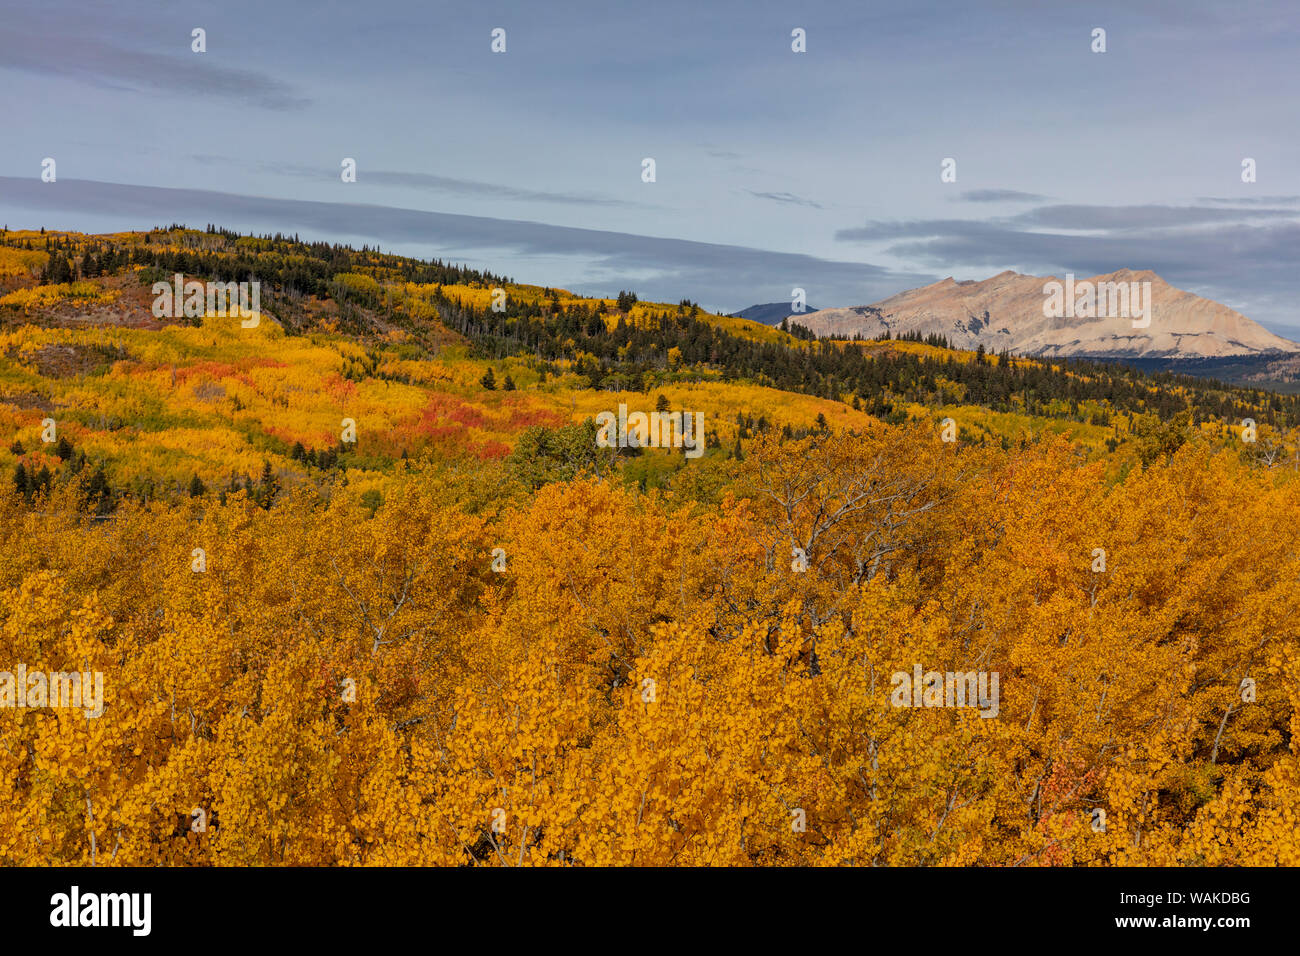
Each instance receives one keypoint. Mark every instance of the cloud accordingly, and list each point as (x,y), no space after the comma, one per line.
(722,277)
(1074,218)
(883,229)
(427,181)
(790,198)
(1252,200)
(1140,218)
(117,68)
(469,187)
(999,195)
(1255,250)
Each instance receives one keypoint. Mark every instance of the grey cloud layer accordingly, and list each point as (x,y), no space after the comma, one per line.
(724,277)
(109,65)
(469,187)
(1083,218)
(790,198)
(999,195)
(446,185)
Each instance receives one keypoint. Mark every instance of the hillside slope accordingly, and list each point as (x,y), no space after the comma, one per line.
(415,356)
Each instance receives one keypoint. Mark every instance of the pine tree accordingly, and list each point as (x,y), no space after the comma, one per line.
(197,489)
(267,487)
(488,381)
(99,493)
(58,270)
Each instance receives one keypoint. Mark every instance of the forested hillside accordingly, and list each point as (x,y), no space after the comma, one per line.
(364,588)
(407,350)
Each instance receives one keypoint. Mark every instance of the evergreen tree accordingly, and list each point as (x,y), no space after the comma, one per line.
(57,270)
(99,493)
(488,381)
(267,487)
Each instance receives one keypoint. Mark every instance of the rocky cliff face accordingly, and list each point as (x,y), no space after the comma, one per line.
(1080,317)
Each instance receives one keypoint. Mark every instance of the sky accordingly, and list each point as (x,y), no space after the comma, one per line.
(774,169)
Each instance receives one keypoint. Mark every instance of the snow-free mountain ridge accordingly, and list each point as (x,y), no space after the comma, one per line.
(1007,312)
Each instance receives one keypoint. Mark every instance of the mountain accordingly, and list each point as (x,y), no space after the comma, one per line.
(772,313)
(1007,311)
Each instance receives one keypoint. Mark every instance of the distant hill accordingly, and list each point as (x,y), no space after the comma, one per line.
(404,348)
(772,313)
(1278,371)
(1006,312)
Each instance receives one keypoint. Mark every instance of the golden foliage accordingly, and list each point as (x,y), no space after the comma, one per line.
(648,679)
